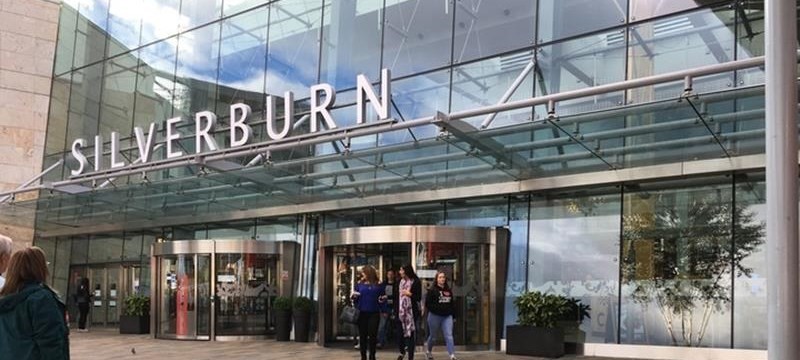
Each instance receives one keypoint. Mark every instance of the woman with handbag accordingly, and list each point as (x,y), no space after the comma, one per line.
(369,296)
(407,294)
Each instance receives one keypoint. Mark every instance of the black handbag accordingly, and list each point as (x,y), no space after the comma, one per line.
(350,314)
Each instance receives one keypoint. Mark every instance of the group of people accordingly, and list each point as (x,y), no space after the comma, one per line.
(380,304)
(33,321)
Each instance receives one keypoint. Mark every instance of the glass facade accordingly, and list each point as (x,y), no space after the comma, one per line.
(646,256)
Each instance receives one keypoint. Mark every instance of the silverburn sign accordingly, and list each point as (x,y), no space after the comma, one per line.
(322,97)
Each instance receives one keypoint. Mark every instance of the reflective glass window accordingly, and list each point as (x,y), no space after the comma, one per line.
(293,51)
(676,264)
(750,295)
(644,9)
(105,248)
(416,97)
(160,19)
(90,42)
(584,62)
(517,272)
(432,213)
(132,248)
(234,6)
(352,41)
(243,52)
(84,103)
(277,229)
(199,12)
(155,82)
(574,247)
(78,248)
(485,28)
(685,41)
(61,267)
(116,110)
(65,47)
(196,70)
(242,230)
(418,35)
(124,25)
(57,119)
(563,18)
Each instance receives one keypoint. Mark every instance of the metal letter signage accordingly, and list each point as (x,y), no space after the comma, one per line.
(322,98)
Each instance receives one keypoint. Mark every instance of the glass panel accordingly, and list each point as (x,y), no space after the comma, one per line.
(686,41)
(347,218)
(414,214)
(676,265)
(234,6)
(59,112)
(574,249)
(243,52)
(80,250)
(113,293)
(563,18)
(155,83)
(581,63)
(105,248)
(293,51)
(166,22)
(65,48)
(477,212)
(199,12)
(177,312)
(418,36)
(203,295)
(416,97)
(119,86)
(352,38)
(124,25)
(196,71)
(61,266)
(644,9)
(241,230)
(90,42)
(750,285)
(246,285)
(133,247)
(487,28)
(98,310)
(517,272)
(277,229)
(84,103)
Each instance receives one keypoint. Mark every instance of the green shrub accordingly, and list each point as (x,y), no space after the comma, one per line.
(137,305)
(544,310)
(303,304)
(282,303)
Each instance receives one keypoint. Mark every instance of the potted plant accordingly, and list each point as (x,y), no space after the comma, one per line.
(571,323)
(283,317)
(135,317)
(302,309)
(537,333)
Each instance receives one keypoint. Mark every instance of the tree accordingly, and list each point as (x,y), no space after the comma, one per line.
(682,258)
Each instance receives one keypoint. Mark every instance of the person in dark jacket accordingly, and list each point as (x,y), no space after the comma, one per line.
(32,318)
(83,297)
(369,297)
(441,309)
(407,295)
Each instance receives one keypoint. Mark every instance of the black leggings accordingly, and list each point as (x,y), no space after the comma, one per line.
(83,308)
(368,333)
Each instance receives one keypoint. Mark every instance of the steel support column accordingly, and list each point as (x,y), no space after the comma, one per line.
(781,165)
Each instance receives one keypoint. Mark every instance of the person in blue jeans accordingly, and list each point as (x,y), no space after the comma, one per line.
(440,305)
(369,297)
(387,316)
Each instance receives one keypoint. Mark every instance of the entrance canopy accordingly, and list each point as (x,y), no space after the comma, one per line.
(596,129)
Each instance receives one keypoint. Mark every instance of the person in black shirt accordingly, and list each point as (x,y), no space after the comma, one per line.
(440,305)
(83,297)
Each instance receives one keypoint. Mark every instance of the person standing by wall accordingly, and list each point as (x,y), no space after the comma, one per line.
(369,297)
(6,247)
(387,316)
(440,305)
(32,318)
(83,296)
(408,293)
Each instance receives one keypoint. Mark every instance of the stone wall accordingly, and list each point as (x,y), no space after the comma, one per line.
(28,31)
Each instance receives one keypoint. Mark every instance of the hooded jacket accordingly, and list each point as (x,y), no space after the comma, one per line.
(32,325)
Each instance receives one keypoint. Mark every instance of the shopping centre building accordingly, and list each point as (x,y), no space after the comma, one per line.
(225,152)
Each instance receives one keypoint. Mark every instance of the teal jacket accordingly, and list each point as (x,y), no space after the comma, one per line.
(32,325)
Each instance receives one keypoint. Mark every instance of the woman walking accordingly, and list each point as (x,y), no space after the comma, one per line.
(82,297)
(32,321)
(369,297)
(440,305)
(407,296)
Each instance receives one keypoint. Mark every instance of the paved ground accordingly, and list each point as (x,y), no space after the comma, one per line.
(108,344)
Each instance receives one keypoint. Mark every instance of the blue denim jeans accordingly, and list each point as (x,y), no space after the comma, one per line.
(436,322)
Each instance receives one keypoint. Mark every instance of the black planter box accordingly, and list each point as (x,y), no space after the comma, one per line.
(302,325)
(283,324)
(534,341)
(134,324)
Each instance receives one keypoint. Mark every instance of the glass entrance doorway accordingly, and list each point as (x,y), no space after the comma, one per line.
(473,258)
(109,284)
(219,289)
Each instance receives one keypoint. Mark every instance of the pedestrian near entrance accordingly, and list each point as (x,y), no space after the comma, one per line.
(440,305)
(387,316)
(82,297)
(6,247)
(369,297)
(407,296)
(32,318)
